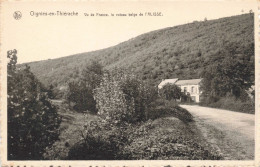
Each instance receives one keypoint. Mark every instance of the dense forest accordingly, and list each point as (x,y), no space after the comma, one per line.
(176,52)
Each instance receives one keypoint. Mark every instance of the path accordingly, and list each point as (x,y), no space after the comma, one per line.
(230,132)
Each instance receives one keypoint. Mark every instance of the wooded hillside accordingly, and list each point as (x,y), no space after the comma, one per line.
(176,52)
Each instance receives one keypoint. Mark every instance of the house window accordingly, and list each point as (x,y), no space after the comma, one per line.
(192,89)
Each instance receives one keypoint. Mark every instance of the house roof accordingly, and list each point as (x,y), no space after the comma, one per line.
(188,82)
(166,81)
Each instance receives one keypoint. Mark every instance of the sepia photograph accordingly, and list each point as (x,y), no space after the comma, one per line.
(128,80)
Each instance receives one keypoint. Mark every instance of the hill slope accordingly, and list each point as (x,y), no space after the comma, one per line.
(175,52)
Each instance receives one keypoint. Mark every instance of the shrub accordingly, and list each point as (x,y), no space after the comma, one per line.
(171,92)
(231,103)
(124,103)
(154,140)
(33,121)
(103,141)
(99,141)
(122,97)
(164,108)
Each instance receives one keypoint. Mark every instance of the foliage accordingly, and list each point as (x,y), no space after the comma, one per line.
(32,120)
(175,52)
(91,75)
(80,92)
(164,108)
(230,76)
(186,97)
(122,97)
(167,139)
(50,92)
(231,103)
(81,96)
(124,103)
(70,131)
(226,83)
(163,138)
(100,141)
(171,92)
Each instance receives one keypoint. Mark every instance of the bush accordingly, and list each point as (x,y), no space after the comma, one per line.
(163,108)
(99,141)
(33,121)
(171,92)
(167,139)
(231,103)
(124,104)
(122,97)
(143,140)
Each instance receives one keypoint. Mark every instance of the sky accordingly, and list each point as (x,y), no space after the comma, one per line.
(49,37)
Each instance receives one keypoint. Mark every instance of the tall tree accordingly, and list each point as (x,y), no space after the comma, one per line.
(33,121)
(230,76)
(81,92)
(91,75)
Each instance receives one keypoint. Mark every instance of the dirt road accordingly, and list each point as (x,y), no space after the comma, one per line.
(231,133)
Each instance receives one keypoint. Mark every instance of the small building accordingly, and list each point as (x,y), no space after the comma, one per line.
(191,86)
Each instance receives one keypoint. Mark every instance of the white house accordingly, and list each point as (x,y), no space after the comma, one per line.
(191,86)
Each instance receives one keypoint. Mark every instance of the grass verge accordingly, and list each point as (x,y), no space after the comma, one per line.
(168,139)
(170,134)
(230,103)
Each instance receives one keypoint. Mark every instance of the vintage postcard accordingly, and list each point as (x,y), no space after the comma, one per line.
(130,83)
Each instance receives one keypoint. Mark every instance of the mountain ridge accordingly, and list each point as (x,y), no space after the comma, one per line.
(182,51)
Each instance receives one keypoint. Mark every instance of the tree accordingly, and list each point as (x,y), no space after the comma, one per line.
(91,75)
(33,121)
(81,92)
(171,92)
(230,76)
(50,92)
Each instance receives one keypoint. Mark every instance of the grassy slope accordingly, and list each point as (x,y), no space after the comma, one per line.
(170,139)
(162,138)
(180,51)
(71,128)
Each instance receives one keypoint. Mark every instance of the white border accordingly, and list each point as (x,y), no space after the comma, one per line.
(150,163)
